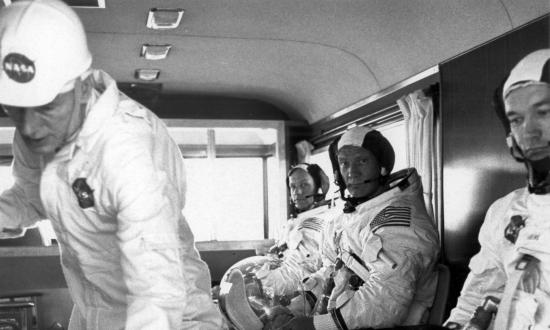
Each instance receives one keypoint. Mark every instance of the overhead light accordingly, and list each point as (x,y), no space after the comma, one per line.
(147,74)
(155,52)
(159,19)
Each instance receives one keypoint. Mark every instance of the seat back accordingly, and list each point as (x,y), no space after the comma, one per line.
(437,312)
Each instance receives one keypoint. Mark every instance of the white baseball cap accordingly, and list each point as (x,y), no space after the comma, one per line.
(43,49)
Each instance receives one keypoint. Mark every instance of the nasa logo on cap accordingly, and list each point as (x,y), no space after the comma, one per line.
(19,68)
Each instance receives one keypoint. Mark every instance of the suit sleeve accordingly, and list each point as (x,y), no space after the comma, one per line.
(487,276)
(20,205)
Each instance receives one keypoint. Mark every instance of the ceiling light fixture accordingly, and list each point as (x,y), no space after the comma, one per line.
(155,52)
(147,74)
(159,19)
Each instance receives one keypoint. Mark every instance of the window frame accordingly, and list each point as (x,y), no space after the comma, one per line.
(278,151)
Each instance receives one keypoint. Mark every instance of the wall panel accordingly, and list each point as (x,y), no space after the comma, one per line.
(477,167)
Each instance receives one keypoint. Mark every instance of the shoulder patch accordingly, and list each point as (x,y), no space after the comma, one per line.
(392,216)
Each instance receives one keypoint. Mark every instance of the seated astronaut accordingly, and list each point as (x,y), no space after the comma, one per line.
(299,245)
(512,268)
(379,254)
(266,291)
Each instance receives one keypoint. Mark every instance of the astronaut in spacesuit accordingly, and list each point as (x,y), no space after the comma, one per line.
(299,245)
(105,171)
(381,251)
(513,264)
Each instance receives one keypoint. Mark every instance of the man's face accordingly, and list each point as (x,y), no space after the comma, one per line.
(44,128)
(356,166)
(302,189)
(528,111)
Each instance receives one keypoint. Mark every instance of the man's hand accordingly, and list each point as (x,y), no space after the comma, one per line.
(299,323)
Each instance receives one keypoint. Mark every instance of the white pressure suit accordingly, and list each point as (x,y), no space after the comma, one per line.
(302,257)
(115,195)
(393,227)
(496,262)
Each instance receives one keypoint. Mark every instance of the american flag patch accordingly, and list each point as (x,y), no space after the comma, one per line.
(392,216)
(311,223)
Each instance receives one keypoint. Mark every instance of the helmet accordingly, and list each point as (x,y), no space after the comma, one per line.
(43,48)
(533,69)
(320,179)
(249,304)
(367,138)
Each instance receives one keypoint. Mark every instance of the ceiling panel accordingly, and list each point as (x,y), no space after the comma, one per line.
(310,58)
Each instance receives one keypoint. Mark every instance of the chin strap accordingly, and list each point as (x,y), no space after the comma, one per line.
(538,172)
(352,202)
(538,176)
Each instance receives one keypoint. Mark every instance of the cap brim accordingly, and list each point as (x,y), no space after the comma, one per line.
(26,94)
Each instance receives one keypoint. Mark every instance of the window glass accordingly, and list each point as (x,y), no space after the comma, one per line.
(235,174)
(225,198)
(235,180)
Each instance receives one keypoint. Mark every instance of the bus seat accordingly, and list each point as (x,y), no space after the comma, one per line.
(437,312)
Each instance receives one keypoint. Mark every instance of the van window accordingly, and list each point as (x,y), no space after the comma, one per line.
(235,176)
(235,184)
(225,198)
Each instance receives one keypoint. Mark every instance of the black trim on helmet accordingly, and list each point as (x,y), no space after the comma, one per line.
(381,148)
(333,155)
(498,106)
(545,76)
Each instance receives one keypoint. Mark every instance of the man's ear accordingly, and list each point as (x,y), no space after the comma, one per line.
(383,171)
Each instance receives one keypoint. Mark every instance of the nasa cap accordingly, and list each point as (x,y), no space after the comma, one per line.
(43,49)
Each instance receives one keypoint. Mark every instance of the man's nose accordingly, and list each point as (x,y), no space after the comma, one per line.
(353,170)
(532,128)
(28,122)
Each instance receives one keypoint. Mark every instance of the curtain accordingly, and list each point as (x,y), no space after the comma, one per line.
(303,151)
(417,111)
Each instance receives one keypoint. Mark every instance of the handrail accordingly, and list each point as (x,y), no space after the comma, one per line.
(259,246)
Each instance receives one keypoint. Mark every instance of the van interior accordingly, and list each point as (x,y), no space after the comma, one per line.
(242,83)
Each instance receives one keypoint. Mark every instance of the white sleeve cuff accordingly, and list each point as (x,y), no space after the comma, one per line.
(324,322)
